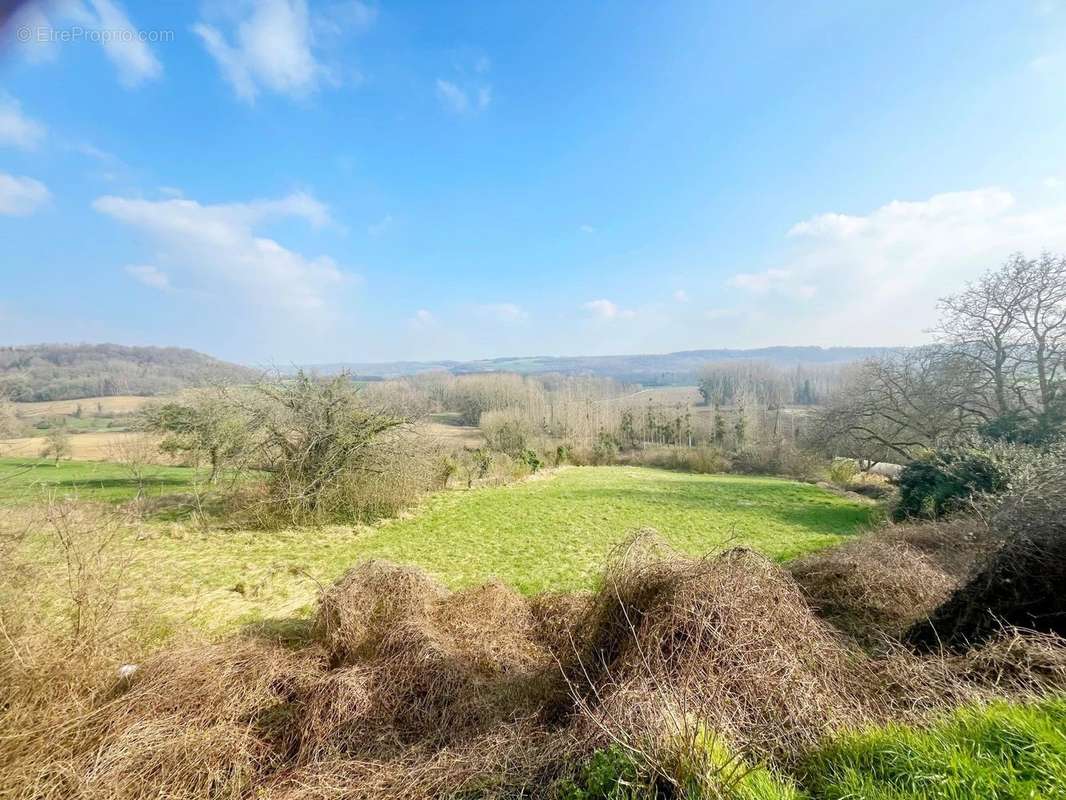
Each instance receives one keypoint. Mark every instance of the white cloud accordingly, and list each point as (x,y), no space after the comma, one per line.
(19,196)
(16,129)
(875,278)
(681,296)
(586,229)
(1052,182)
(772,280)
(102,21)
(461,100)
(504,312)
(452,96)
(422,319)
(605,309)
(276,45)
(123,44)
(219,242)
(149,276)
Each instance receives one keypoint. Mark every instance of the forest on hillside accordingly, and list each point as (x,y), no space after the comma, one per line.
(71,371)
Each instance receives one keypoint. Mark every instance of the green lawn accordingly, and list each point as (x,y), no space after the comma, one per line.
(545,534)
(555,533)
(27,480)
(1002,752)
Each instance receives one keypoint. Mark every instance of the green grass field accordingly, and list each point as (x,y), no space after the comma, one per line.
(551,533)
(1003,751)
(26,480)
(555,533)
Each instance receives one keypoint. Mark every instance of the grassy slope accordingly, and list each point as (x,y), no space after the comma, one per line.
(27,480)
(547,534)
(555,533)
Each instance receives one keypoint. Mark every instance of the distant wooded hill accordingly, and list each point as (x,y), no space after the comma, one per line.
(665,369)
(73,371)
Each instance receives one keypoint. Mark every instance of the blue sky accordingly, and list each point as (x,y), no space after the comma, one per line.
(281,181)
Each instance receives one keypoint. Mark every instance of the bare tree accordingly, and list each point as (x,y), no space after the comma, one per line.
(979,329)
(1007,333)
(1043,321)
(888,409)
(57,442)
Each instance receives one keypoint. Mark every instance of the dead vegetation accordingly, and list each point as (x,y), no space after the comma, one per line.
(882,583)
(403,688)
(1021,584)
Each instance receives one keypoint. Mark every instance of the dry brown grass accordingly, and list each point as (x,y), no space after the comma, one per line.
(880,584)
(114,404)
(405,689)
(95,446)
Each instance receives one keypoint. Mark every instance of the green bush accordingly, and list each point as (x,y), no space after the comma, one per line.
(701,768)
(1036,430)
(532,460)
(610,774)
(944,480)
(605,450)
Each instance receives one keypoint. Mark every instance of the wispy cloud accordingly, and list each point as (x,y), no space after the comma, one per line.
(276,45)
(464,94)
(504,312)
(772,280)
(125,45)
(1053,182)
(149,276)
(128,51)
(681,296)
(220,244)
(21,196)
(422,319)
(452,96)
(381,226)
(605,309)
(16,129)
(586,228)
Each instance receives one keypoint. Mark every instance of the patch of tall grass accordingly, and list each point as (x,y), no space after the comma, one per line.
(999,751)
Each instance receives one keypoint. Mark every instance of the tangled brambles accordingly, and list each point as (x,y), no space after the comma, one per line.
(880,584)
(1020,585)
(407,689)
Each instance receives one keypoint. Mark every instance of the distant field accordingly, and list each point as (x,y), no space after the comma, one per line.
(550,533)
(446,428)
(94,446)
(118,404)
